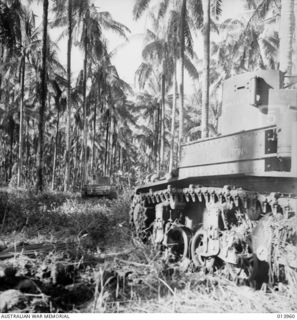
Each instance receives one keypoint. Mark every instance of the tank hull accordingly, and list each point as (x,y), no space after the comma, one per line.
(234,190)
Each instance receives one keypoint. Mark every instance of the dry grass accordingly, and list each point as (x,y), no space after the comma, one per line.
(218,295)
(109,271)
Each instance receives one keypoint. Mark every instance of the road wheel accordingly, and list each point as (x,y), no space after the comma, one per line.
(196,245)
(178,239)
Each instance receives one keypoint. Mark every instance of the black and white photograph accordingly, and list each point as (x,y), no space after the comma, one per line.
(148,159)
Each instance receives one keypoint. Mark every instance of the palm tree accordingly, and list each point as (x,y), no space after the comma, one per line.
(91,23)
(20,40)
(176,18)
(205,81)
(40,163)
(198,10)
(59,106)
(173,119)
(65,13)
(171,40)
(29,43)
(69,47)
(286,36)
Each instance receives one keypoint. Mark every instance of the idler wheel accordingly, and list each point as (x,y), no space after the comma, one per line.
(178,239)
(197,245)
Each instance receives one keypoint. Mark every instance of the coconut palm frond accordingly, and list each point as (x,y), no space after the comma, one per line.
(216,8)
(195,7)
(105,19)
(188,38)
(190,67)
(163,8)
(139,7)
(153,49)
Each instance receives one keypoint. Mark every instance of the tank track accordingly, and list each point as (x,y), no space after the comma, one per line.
(233,215)
(260,203)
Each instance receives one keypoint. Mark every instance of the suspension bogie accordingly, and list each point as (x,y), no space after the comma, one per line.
(208,225)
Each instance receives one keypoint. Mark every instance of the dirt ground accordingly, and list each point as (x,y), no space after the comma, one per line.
(61,253)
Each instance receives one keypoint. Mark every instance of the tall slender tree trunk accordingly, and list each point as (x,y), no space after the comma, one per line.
(295,42)
(11,133)
(286,36)
(162,118)
(20,158)
(114,146)
(106,145)
(173,118)
(55,149)
(110,145)
(94,139)
(154,143)
(40,159)
(85,132)
(181,84)
(75,160)
(205,78)
(68,123)
(28,148)
(158,131)
(121,158)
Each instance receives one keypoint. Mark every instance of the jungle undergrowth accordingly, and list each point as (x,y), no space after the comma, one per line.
(85,260)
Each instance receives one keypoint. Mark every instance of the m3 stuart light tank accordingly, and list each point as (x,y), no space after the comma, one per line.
(230,189)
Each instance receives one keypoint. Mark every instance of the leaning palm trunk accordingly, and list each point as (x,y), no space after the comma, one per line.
(286,36)
(181,85)
(205,79)
(173,119)
(67,151)
(20,162)
(40,160)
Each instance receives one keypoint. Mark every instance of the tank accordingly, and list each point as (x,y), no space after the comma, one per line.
(221,205)
(100,187)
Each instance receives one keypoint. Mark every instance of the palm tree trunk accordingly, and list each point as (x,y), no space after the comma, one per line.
(75,161)
(121,159)
(28,148)
(205,78)
(40,161)
(55,149)
(94,138)
(162,118)
(106,146)
(110,145)
(67,151)
(11,133)
(181,85)
(85,132)
(158,131)
(286,36)
(173,119)
(155,138)
(20,162)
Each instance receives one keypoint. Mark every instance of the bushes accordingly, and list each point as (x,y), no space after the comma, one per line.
(58,216)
